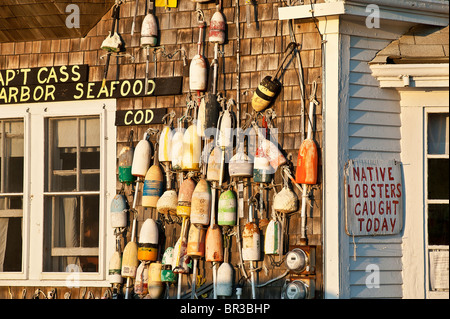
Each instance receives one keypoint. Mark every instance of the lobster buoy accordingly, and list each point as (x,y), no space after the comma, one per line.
(125,163)
(227,209)
(307,163)
(165,145)
(141,282)
(214,172)
(251,239)
(262,171)
(192,149)
(217,28)
(214,244)
(167,274)
(130,260)
(148,241)
(208,115)
(167,203)
(265,93)
(285,201)
(149,31)
(196,241)
(155,285)
(201,203)
(177,149)
(198,74)
(185,198)
(225,130)
(240,165)
(180,249)
(272,238)
(153,186)
(225,279)
(119,208)
(115,265)
(273,154)
(141,158)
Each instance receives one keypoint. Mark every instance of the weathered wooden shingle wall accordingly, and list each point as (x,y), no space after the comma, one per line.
(261,52)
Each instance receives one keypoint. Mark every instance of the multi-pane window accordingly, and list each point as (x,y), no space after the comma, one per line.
(11,194)
(437,196)
(72,194)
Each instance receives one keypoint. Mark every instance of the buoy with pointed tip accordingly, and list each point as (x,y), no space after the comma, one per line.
(177,149)
(272,238)
(115,265)
(227,209)
(167,203)
(201,204)
(217,28)
(192,149)
(207,115)
(119,208)
(214,172)
(148,241)
(141,158)
(149,31)
(165,145)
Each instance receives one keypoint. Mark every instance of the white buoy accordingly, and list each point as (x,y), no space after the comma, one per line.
(225,279)
(119,208)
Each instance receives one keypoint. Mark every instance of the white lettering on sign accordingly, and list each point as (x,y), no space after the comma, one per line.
(373,198)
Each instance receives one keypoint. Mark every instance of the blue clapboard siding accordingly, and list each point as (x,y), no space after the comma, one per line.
(373,132)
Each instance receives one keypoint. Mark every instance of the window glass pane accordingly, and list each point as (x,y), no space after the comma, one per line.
(72,227)
(438,179)
(438,133)
(438,215)
(11,181)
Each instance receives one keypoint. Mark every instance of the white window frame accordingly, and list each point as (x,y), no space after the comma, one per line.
(430,293)
(34,116)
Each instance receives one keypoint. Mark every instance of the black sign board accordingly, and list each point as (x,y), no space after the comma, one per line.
(140,117)
(70,83)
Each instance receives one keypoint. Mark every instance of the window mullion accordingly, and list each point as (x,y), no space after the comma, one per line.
(3,156)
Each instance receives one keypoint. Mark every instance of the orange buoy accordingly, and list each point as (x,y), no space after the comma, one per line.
(196,241)
(214,244)
(148,241)
(185,197)
(307,163)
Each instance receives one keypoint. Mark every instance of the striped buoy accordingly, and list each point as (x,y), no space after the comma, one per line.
(227,209)
(192,149)
(265,93)
(148,241)
(185,198)
(272,238)
(149,31)
(125,162)
(153,186)
(115,265)
(119,208)
(165,145)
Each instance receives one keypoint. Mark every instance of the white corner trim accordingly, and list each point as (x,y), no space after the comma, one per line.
(413,11)
(411,75)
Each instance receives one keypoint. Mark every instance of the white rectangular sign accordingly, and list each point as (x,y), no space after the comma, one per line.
(373,197)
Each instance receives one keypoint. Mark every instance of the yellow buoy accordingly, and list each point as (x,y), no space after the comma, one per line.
(153,186)
(192,149)
(130,260)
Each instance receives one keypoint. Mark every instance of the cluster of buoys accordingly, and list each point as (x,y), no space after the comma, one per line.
(197,156)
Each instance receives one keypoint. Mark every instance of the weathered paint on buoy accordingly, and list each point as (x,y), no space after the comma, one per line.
(285,201)
(165,145)
(272,238)
(198,74)
(213,171)
(185,198)
(180,248)
(148,241)
(201,203)
(227,209)
(214,244)
(240,165)
(307,163)
(141,282)
(192,149)
(225,279)
(273,154)
(208,115)
(217,28)
(149,31)
(196,241)
(125,162)
(251,242)
(119,208)
(130,260)
(167,203)
(153,186)
(115,265)
(262,171)
(167,274)
(265,93)
(155,285)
